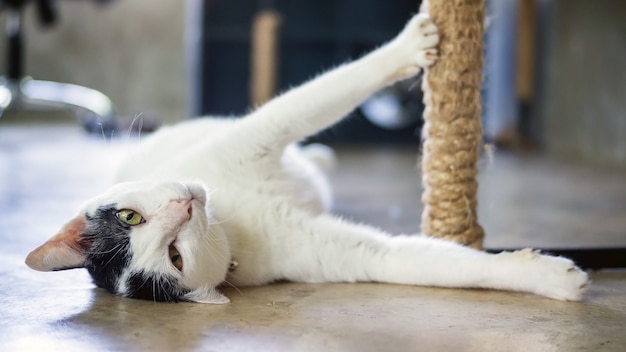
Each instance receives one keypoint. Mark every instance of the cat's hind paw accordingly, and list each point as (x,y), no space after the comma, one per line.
(569,284)
(557,277)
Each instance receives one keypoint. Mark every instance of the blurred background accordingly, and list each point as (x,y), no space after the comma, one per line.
(554,118)
(554,97)
(554,78)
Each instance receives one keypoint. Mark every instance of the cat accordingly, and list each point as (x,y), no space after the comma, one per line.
(210,202)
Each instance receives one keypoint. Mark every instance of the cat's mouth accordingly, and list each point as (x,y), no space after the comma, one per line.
(175,257)
(190,209)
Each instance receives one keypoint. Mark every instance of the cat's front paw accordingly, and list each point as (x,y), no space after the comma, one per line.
(416,44)
(556,277)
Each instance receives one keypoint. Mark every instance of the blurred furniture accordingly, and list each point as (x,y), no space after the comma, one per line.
(226,60)
(20,92)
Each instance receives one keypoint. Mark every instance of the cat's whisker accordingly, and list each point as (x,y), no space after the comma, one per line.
(154,295)
(214,221)
(233,286)
(214,253)
(120,247)
(104,137)
(417,82)
(106,252)
(212,237)
(129,130)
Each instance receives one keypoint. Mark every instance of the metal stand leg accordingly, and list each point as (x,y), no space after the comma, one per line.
(94,109)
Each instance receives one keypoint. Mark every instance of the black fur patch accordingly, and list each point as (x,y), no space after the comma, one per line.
(155,288)
(109,253)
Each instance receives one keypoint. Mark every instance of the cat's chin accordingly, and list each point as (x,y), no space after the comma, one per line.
(207,294)
(205,252)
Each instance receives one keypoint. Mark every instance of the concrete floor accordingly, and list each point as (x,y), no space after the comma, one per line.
(45,173)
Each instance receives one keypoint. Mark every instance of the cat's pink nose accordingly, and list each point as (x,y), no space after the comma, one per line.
(181,208)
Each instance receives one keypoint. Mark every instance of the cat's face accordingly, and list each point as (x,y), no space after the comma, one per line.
(154,241)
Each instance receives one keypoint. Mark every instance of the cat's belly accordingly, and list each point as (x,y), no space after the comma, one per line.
(187,152)
(161,150)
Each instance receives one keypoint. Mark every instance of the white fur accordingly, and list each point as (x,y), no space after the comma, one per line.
(266,201)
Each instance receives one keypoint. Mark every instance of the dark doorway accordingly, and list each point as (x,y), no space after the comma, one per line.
(314,36)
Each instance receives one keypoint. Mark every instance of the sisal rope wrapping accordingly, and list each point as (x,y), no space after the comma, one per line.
(452,129)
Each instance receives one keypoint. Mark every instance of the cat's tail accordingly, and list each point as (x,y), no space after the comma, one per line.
(321,155)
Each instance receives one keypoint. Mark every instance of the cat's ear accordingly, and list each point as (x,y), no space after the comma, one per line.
(206,294)
(65,250)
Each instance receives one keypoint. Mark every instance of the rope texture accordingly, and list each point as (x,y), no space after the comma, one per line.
(452,129)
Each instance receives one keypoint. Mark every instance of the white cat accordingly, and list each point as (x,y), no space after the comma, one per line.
(216,201)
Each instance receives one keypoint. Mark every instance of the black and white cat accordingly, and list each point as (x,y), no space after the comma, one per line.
(214,201)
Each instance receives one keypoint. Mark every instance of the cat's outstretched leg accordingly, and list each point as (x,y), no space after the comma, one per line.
(321,102)
(342,251)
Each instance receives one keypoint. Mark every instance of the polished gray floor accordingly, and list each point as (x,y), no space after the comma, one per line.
(45,174)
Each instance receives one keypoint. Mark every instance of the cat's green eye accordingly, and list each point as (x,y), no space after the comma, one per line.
(175,258)
(130,217)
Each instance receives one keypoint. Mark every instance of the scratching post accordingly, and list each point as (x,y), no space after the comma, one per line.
(453,131)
